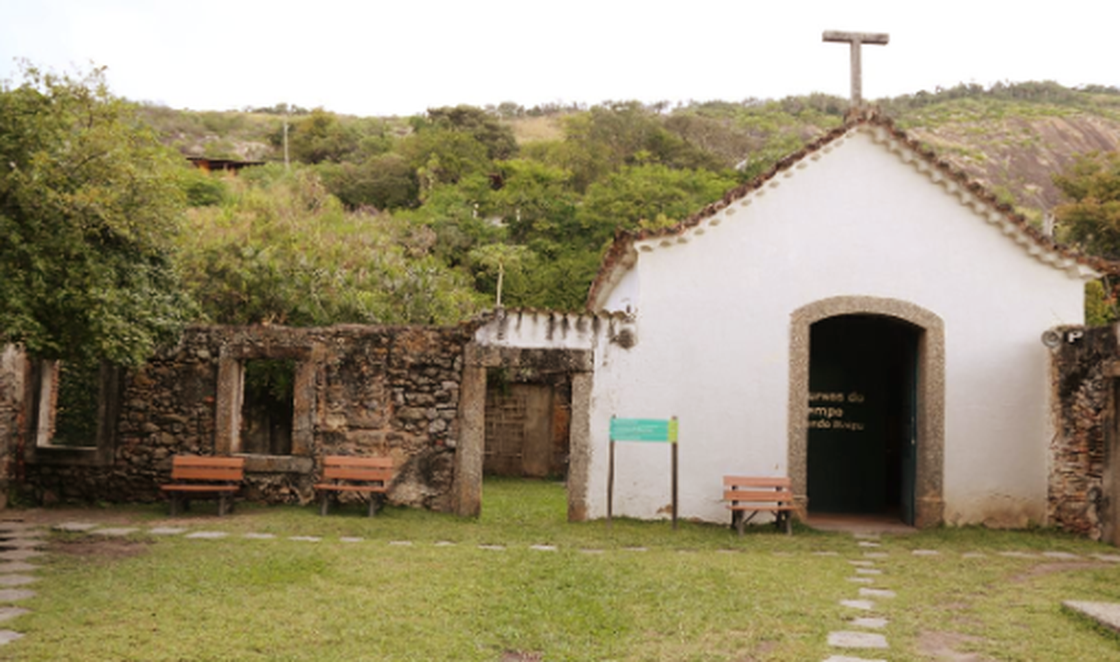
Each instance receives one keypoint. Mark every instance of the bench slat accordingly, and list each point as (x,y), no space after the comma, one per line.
(756,481)
(336,473)
(757,495)
(192,473)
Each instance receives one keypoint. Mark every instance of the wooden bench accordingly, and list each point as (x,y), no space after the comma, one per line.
(202,476)
(345,473)
(759,494)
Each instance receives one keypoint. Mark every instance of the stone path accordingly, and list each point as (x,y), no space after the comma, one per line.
(19,543)
(863,633)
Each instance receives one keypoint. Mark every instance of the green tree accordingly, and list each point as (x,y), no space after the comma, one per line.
(535,201)
(484,127)
(646,196)
(90,205)
(497,258)
(1090,217)
(281,249)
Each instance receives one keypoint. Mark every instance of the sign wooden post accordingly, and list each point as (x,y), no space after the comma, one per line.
(642,429)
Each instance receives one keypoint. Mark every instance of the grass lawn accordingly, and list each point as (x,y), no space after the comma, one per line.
(639,591)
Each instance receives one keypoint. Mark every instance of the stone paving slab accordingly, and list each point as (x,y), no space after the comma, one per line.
(167,530)
(23,543)
(13,594)
(20,554)
(8,636)
(305,538)
(875,593)
(974,555)
(926,552)
(1019,555)
(259,536)
(400,543)
(826,553)
(868,571)
(350,539)
(1061,556)
(444,543)
(74,527)
(875,555)
(863,564)
(868,543)
(115,531)
(861,580)
(17,580)
(8,613)
(493,548)
(876,623)
(207,535)
(865,605)
(848,639)
(17,566)
(1105,613)
(543,548)
(635,549)
(1110,558)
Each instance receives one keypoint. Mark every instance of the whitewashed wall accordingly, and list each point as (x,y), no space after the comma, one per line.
(713,333)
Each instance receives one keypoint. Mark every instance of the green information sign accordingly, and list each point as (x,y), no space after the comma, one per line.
(644,429)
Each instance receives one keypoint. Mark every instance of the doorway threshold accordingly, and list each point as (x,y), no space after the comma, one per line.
(858,523)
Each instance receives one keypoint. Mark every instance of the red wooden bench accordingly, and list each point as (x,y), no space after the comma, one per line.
(202,476)
(759,494)
(344,473)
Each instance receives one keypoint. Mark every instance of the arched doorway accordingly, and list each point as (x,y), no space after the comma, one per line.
(862,430)
(866,427)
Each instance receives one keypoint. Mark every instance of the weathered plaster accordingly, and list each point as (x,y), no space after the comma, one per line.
(929,500)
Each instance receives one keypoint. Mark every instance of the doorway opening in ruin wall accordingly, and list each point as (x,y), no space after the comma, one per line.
(527,426)
(525,413)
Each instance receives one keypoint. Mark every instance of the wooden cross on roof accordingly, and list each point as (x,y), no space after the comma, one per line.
(857,39)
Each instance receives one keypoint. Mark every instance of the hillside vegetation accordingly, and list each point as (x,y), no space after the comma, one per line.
(461,198)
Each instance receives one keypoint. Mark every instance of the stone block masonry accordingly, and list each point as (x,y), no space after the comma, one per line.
(357,390)
(1081,497)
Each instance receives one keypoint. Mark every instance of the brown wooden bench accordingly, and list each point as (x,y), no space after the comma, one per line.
(202,476)
(345,473)
(759,494)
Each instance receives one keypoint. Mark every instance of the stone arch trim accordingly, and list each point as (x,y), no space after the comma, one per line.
(929,481)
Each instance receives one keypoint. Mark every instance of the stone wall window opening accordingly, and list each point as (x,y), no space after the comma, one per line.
(267,406)
(68,401)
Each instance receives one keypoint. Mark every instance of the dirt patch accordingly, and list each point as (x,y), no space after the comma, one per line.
(521,656)
(943,646)
(99,549)
(1043,569)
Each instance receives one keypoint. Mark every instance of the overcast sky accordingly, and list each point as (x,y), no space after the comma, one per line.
(400,57)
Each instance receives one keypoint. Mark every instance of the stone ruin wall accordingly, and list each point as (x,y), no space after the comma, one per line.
(1083,413)
(373,390)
